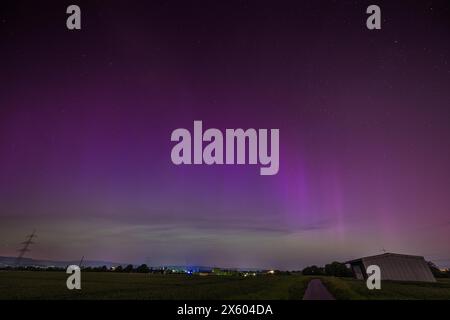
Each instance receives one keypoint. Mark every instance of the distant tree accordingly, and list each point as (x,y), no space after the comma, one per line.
(312,271)
(143,268)
(337,269)
(119,269)
(128,268)
(437,273)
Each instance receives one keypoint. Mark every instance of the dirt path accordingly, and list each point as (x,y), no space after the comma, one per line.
(317,291)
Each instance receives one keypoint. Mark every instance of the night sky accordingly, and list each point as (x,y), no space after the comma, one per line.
(86,118)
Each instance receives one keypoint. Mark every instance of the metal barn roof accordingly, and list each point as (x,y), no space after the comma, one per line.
(394,266)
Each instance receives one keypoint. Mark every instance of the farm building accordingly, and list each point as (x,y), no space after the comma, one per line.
(394,266)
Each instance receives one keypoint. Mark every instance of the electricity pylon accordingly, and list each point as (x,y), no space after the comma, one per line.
(26,244)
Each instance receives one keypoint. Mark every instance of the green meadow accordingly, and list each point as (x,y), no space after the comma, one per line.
(352,289)
(106,285)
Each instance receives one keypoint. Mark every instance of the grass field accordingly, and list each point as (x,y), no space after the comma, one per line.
(352,289)
(52,285)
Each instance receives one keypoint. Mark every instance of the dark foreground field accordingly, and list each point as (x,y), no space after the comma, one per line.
(352,289)
(52,285)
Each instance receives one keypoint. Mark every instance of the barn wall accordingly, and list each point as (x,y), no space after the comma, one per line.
(358,269)
(402,268)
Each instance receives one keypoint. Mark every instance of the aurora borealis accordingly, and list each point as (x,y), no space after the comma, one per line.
(86,118)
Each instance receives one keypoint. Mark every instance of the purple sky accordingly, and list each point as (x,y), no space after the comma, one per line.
(86,118)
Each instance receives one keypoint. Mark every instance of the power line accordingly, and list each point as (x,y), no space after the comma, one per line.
(81,262)
(26,244)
